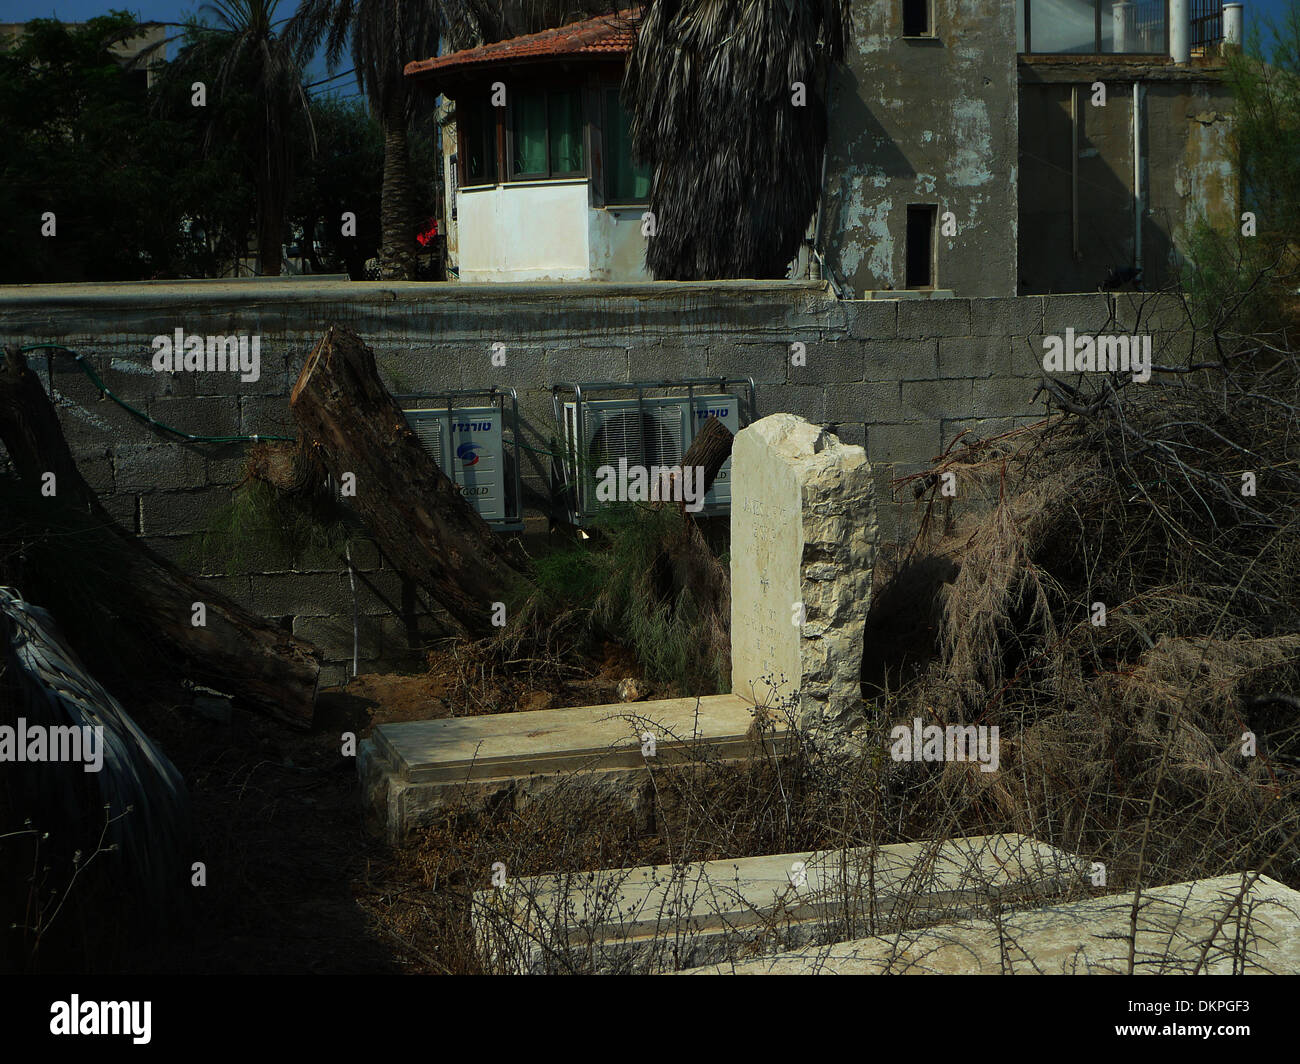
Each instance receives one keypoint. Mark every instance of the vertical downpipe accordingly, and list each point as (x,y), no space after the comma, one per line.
(1074,168)
(1137,175)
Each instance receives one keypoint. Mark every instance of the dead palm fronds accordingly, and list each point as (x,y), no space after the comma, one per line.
(134,807)
(728,105)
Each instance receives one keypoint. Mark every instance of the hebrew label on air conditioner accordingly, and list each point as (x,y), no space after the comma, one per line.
(466,445)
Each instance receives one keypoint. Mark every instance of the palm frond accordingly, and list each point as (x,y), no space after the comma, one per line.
(735,163)
(144,795)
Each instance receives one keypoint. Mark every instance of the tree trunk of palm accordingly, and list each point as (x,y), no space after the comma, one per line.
(397,250)
(138,618)
(269,228)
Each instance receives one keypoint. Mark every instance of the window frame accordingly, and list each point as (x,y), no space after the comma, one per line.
(605,125)
(491,132)
(1096,37)
(930,29)
(546,91)
(932,255)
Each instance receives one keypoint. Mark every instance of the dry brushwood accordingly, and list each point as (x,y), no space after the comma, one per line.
(1122,734)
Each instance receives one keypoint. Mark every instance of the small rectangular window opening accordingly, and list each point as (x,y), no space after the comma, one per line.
(920,245)
(916,18)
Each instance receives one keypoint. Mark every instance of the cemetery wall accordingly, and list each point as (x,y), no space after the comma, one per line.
(900,377)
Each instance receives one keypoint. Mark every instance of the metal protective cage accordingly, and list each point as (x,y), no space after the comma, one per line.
(568,487)
(451,402)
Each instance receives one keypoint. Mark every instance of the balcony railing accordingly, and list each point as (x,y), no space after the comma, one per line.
(1207,22)
(1108,27)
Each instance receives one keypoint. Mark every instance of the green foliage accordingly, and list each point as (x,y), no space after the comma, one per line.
(261,525)
(344,175)
(622,570)
(1226,278)
(81,140)
(145,185)
(1266,86)
(571,576)
(1243,283)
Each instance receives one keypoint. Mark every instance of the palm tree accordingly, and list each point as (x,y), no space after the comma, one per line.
(250,56)
(385,35)
(736,163)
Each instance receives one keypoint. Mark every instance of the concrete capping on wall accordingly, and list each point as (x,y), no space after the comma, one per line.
(220,291)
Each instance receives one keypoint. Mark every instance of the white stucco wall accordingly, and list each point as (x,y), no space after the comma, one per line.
(524,232)
(617,246)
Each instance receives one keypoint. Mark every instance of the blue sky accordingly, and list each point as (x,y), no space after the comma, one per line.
(157,11)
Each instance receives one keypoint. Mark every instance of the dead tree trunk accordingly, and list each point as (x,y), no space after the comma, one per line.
(355,430)
(692,563)
(709,450)
(146,602)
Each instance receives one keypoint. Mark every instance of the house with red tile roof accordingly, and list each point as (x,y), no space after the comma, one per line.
(540,178)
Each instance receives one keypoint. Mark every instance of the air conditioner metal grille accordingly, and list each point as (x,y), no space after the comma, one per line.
(466,443)
(651,432)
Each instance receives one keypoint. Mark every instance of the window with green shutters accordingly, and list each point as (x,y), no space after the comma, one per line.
(528,135)
(566,133)
(625,180)
(546,134)
(546,138)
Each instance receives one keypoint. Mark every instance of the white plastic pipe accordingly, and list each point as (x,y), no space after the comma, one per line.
(1180,31)
(1234,23)
(1137,176)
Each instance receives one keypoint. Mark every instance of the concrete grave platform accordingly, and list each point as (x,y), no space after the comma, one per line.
(664,918)
(1259,936)
(409,771)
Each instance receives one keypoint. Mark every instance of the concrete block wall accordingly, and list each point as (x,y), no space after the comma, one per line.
(902,377)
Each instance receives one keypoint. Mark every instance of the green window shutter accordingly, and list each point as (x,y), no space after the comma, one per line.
(566,131)
(625,180)
(528,122)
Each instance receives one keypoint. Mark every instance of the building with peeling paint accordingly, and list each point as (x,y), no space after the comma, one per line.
(984,148)
(975,148)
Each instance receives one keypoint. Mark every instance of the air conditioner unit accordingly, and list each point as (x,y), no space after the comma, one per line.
(468,445)
(646,431)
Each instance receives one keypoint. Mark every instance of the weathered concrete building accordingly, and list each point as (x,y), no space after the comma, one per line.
(988,148)
(976,147)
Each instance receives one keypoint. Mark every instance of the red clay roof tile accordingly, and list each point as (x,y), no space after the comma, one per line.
(607,35)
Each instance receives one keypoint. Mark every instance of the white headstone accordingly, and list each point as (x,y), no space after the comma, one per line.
(803,537)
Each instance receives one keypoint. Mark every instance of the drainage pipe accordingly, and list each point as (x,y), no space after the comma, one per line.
(1137,176)
(1074,168)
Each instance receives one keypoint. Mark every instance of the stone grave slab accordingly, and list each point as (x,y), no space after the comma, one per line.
(411,770)
(1259,936)
(663,918)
